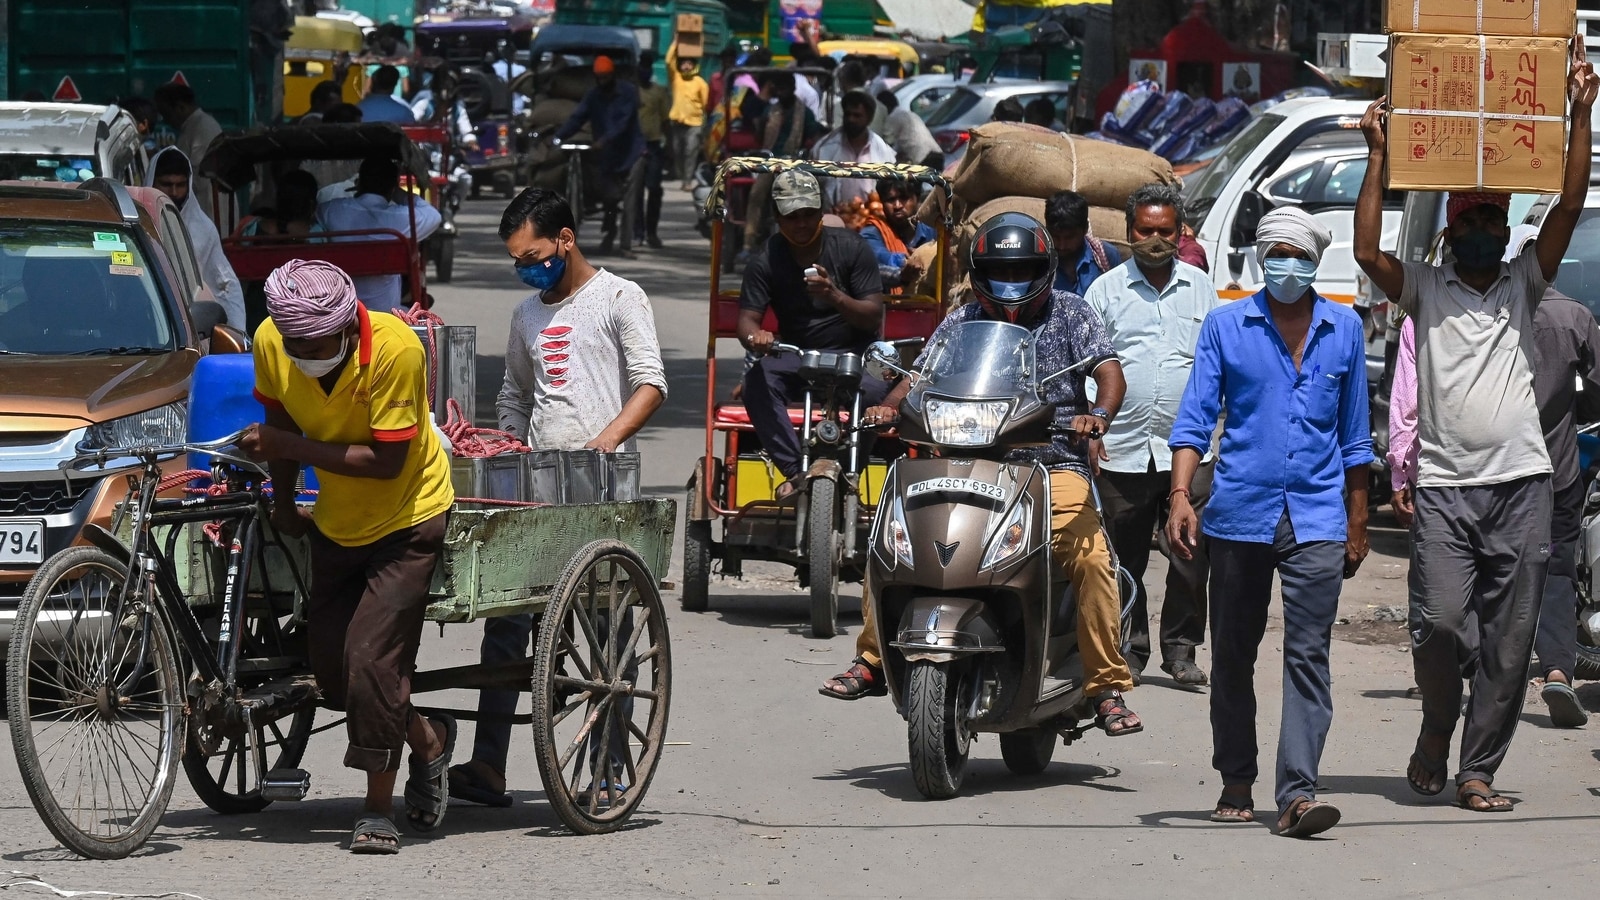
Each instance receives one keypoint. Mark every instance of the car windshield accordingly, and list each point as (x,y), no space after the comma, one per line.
(78,289)
(954,107)
(1579,276)
(980,359)
(45,167)
(1199,195)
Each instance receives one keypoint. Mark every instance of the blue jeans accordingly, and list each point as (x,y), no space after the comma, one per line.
(1312,575)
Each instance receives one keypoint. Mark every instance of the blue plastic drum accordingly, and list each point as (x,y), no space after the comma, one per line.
(222,401)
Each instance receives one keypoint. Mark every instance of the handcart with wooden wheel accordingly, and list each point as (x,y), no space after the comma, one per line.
(175,639)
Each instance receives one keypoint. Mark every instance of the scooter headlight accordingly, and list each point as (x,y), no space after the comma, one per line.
(965,423)
(897,538)
(1012,535)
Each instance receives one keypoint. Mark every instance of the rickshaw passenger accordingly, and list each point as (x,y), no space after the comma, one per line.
(898,232)
(785,128)
(380,105)
(583,370)
(294,210)
(840,307)
(346,391)
(379,203)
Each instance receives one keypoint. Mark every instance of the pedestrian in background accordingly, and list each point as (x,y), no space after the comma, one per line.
(196,130)
(1290,495)
(1481,535)
(655,110)
(610,110)
(1082,258)
(690,102)
(1152,307)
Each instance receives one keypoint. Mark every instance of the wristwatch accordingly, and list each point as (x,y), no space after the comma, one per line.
(1100,413)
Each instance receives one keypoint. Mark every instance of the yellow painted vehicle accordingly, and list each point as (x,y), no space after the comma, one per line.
(882,51)
(317,51)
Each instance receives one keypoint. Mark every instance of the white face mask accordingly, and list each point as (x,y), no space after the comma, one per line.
(316,368)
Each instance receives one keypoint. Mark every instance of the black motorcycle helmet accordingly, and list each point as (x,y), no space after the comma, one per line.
(1012,266)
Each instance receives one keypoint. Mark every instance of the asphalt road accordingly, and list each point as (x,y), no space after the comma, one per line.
(769,790)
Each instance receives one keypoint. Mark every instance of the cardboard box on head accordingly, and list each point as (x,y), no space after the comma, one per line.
(1477,112)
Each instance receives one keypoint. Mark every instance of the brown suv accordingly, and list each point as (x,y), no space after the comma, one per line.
(96,349)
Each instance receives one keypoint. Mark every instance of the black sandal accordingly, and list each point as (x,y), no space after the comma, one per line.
(428,787)
(1119,712)
(1308,817)
(1234,812)
(1465,796)
(860,680)
(1185,672)
(382,838)
(1437,771)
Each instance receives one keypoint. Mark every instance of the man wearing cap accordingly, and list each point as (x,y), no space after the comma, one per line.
(346,392)
(1289,495)
(838,307)
(1481,533)
(611,111)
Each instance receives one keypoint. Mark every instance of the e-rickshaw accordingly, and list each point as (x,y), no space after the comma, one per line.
(821,529)
(443,191)
(232,164)
(321,50)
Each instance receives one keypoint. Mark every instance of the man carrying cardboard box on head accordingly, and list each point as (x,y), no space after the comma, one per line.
(1481,531)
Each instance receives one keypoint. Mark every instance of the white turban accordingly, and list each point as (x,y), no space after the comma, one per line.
(1293,226)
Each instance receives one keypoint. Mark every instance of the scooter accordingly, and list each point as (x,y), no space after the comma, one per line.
(980,633)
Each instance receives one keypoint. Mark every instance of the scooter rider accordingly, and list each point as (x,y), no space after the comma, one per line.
(1012,272)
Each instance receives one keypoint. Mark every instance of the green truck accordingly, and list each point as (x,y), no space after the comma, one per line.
(98,50)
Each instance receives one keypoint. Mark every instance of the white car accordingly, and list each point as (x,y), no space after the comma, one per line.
(69,142)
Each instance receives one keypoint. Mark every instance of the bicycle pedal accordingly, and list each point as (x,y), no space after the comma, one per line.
(286,784)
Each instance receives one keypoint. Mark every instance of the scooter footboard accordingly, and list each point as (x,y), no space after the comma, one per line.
(942,629)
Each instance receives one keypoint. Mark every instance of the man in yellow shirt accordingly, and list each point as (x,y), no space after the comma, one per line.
(690,98)
(346,392)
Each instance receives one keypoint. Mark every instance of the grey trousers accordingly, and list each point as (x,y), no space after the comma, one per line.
(1477,550)
(1134,504)
(1312,576)
(1557,642)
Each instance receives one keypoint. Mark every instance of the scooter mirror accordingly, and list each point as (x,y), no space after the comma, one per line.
(880,360)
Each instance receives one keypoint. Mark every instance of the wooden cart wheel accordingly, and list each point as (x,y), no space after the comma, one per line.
(602,675)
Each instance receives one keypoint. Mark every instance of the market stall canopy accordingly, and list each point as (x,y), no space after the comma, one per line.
(231,159)
(929,20)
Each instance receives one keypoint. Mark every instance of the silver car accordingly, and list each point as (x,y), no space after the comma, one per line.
(71,142)
(971,105)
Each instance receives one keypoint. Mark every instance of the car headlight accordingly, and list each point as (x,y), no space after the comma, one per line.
(965,423)
(153,427)
(897,538)
(1012,535)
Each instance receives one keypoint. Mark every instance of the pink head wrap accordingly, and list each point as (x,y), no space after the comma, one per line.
(1461,201)
(308,298)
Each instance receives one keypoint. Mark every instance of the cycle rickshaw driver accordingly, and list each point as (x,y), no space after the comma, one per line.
(346,391)
(823,286)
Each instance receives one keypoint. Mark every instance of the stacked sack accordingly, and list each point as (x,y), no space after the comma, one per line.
(1015,168)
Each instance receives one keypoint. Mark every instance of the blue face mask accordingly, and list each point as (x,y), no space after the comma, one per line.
(543,276)
(1287,279)
(1009,290)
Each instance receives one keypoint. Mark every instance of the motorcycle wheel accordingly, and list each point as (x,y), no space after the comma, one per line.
(822,557)
(1028,752)
(1587,667)
(935,729)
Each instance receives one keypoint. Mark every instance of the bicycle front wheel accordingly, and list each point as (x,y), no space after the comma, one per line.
(95,704)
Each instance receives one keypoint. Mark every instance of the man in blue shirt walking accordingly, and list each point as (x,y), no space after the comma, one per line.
(1083,256)
(1289,494)
(611,110)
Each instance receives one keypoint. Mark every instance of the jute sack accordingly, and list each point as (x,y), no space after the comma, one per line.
(923,258)
(571,83)
(1005,160)
(550,113)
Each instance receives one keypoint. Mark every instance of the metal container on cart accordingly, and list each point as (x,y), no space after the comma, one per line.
(453,368)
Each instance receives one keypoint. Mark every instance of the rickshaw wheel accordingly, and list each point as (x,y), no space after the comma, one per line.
(96,706)
(601,679)
(696,566)
(445,262)
(822,557)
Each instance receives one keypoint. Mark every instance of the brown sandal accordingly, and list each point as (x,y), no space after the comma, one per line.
(860,680)
(1110,711)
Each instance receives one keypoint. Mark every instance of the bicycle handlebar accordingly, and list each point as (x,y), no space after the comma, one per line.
(149,455)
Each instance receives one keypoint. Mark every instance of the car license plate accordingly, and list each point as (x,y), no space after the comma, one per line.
(957,486)
(21,541)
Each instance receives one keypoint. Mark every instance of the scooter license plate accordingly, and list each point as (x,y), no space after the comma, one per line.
(957,486)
